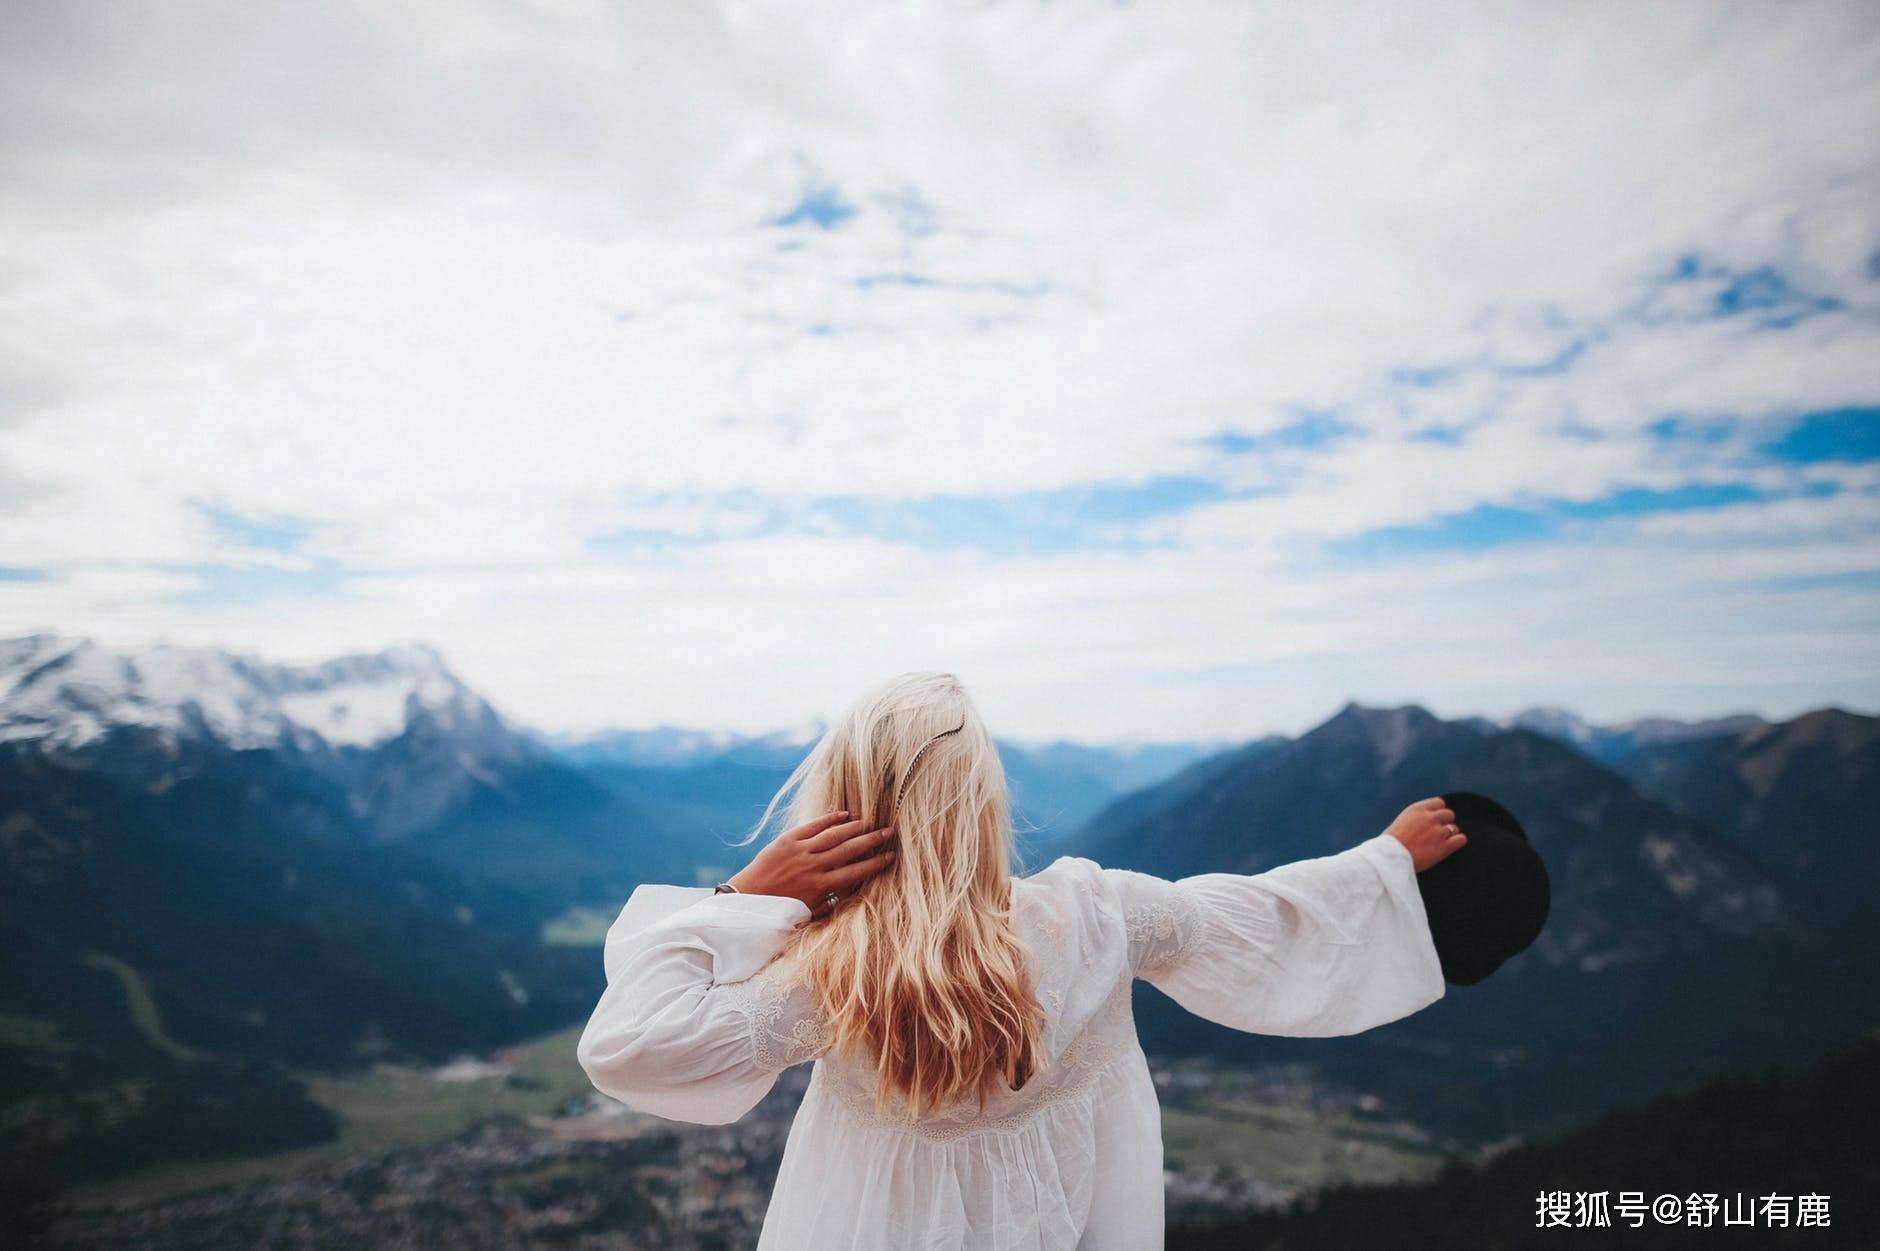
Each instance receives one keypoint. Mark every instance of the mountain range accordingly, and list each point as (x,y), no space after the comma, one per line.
(1612,744)
(721,781)
(213,869)
(216,870)
(1689,932)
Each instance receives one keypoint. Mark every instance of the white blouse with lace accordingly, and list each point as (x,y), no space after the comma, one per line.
(697,1021)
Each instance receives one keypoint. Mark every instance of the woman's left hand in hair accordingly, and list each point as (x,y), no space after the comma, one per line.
(831,853)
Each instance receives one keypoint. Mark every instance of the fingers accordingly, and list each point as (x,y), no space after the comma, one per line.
(855,846)
(860,870)
(841,879)
(813,829)
(836,836)
(857,857)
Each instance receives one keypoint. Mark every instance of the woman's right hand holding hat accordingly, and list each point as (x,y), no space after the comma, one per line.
(1427,829)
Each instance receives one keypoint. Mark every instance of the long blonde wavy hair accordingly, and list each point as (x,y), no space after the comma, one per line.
(921,971)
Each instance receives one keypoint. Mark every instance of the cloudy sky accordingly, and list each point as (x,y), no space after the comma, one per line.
(1164,370)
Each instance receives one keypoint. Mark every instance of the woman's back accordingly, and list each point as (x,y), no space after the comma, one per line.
(1078,942)
(700,1016)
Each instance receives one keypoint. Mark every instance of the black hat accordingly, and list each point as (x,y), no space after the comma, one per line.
(1488,901)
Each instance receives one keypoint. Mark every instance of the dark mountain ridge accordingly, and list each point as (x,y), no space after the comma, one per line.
(181,933)
(1803,796)
(1672,951)
(1630,875)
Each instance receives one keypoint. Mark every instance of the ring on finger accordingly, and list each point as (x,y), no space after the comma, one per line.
(831,899)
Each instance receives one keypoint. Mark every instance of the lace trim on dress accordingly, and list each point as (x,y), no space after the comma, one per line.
(776,1044)
(1166,931)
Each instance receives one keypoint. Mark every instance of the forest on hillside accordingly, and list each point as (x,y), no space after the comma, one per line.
(1778,1133)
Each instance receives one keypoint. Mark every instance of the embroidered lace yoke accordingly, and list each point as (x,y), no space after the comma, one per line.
(697,1021)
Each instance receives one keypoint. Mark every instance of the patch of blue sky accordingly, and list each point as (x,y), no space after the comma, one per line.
(1763,293)
(1425,376)
(20,573)
(1498,525)
(1638,501)
(1310,430)
(642,542)
(1839,434)
(263,534)
(1765,290)
(224,585)
(1484,526)
(821,205)
(1063,519)
(1682,428)
(1845,580)
(868,282)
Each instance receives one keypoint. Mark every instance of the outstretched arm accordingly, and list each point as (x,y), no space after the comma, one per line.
(1332,945)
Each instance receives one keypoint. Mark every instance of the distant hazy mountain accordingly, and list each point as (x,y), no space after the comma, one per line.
(675,747)
(1613,743)
(1057,787)
(721,781)
(1671,951)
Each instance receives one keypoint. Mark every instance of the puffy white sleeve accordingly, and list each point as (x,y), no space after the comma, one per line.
(692,1026)
(1332,945)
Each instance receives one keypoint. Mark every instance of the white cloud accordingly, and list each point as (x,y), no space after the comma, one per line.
(462,289)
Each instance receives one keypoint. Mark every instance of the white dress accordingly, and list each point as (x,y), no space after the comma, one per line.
(694,1027)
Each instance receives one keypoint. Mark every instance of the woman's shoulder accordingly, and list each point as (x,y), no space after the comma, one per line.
(1073,908)
(1081,871)
(1065,870)
(1072,881)
(1105,889)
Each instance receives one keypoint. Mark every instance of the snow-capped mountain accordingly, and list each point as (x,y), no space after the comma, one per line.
(282,864)
(384,747)
(407,744)
(68,692)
